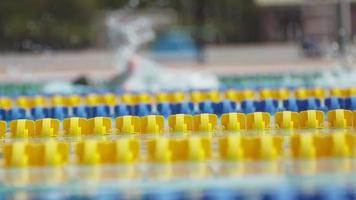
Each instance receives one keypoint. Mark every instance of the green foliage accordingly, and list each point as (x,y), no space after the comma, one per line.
(56,24)
(111,4)
(70,23)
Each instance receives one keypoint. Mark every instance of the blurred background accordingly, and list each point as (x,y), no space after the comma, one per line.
(36,24)
(72,39)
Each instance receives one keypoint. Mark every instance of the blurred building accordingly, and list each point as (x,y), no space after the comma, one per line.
(293,20)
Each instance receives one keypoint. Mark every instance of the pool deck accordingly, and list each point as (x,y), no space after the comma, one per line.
(99,63)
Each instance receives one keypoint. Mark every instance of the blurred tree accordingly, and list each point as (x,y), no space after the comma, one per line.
(111,4)
(37,24)
(237,21)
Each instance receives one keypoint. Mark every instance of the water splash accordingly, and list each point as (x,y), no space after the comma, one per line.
(127,34)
